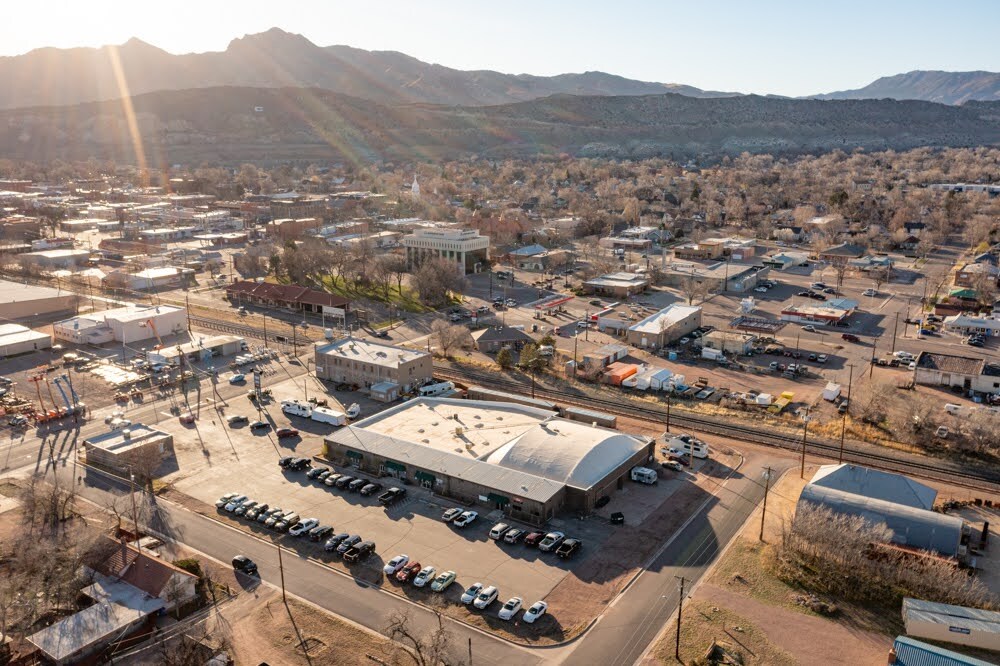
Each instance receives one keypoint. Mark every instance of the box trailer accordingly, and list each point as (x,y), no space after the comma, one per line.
(327,415)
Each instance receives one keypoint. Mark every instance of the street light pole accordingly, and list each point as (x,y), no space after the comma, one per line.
(871,370)
(843,421)
(805,430)
(767,487)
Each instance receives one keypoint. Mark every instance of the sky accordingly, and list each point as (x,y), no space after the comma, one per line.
(785,47)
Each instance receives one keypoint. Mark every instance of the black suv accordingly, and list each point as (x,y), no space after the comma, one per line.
(245,564)
(360,551)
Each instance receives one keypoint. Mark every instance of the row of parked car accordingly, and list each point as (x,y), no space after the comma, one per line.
(404,570)
(332,479)
(545,541)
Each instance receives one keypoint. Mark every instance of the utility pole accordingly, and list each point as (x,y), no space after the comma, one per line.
(843,422)
(470,650)
(668,411)
(576,342)
(281,568)
(264,315)
(532,382)
(187,309)
(871,370)
(805,430)
(680,610)
(295,345)
(767,487)
(894,327)
(586,326)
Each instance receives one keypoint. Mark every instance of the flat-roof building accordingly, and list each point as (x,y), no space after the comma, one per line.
(619,285)
(669,324)
(120,450)
(971,374)
(16,339)
(523,460)
(63,258)
(466,247)
(200,349)
(366,363)
(131,323)
(25,301)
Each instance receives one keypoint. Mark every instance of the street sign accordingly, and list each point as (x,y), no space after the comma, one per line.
(256,382)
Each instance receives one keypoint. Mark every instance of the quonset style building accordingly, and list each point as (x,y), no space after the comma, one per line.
(523,460)
(899,502)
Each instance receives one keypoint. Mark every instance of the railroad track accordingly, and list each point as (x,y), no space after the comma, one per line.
(981,479)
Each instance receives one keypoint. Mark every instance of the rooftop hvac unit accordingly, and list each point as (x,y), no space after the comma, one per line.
(126,434)
(459,430)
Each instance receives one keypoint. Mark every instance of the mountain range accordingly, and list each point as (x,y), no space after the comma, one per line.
(275,59)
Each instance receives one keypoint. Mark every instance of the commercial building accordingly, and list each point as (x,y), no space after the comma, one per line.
(494,338)
(466,247)
(365,363)
(721,276)
(661,329)
(150,279)
(902,504)
(618,285)
(952,624)
(818,314)
(738,344)
(201,349)
(972,374)
(133,447)
(520,459)
(53,259)
(16,339)
(25,301)
(297,206)
(132,323)
(964,324)
(290,296)
(842,253)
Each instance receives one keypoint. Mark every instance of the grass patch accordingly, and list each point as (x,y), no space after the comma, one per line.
(406,298)
(734,637)
(8,489)
(748,568)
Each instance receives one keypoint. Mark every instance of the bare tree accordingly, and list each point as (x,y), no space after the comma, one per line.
(880,276)
(436,279)
(694,289)
(980,429)
(450,336)
(435,649)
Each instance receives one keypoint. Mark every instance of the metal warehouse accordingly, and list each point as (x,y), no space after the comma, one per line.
(882,497)
(523,460)
(952,624)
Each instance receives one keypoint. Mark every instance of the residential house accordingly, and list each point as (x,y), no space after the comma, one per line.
(842,253)
(970,275)
(971,374)
(493,339)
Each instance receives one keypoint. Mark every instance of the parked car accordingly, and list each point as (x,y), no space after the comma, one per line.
(551,541)
(513,535)
(252,514)
(869,292)
(356,485)
(451,514)
(672,464)
(568,548)
(245,564)
(391,495)
(323,475)
(850,337)
(829,290)
(286,432)
(760,290)
(821,358)
(235,502)
(533,538)
(809,328)
(287,522)
(818,285)
(264,516)
(332,479)
(320,533)
(425,576)
(498,530)
(471,593)
(408,571)
(237,419)
(486,597)
(237,379)
(225,499)
(260,425)
(343,482)
(316,471)
(371,489)
(334,541)
(246,506)
(187,418)
(466,518)
(536,610)
(302,527)
(359,552)
(348,543)
(444,579)
(395,564)
(510,608)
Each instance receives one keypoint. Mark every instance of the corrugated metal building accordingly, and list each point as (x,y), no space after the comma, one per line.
(952,624)
(882,497)
(911,652)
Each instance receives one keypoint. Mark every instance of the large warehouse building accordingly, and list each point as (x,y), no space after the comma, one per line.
(132,323)
(16,339)
(902,504)
(25,301)
(523,460)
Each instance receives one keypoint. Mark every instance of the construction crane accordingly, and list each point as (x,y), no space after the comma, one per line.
(58,382)
(149,322)
(41,415)
(52,398)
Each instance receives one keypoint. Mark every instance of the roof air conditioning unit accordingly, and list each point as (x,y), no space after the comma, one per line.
(459,430)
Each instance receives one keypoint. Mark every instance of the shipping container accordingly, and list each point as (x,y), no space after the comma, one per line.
(616,373)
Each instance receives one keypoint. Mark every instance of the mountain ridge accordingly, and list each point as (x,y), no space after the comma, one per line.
(927,85)
(275,59)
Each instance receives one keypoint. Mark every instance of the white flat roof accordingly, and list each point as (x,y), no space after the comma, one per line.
(369,352)
(484,426)
(665,318)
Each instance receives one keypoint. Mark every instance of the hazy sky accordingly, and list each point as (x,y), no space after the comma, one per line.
(789,47)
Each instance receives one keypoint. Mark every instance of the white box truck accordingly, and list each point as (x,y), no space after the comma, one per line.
(327,415)
(644,475)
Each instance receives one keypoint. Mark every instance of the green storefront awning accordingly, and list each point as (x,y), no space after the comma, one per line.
(500,499)
(425,476)
(391,464)
(354,455)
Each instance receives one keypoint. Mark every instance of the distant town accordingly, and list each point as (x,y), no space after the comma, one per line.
(570,410)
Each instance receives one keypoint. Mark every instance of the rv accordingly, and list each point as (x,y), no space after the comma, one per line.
(296,408)
(644,475)
(441,388)
(686,444)
(326,415)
